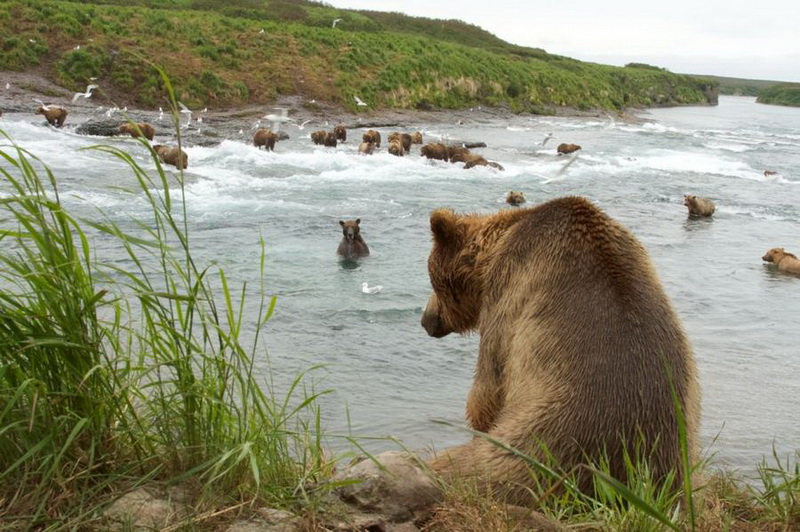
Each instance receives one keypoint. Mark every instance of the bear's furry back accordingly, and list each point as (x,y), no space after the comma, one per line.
(580,348)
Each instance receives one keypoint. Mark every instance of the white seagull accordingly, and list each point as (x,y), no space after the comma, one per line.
(561,170)
(335,21)
(302,124)
(45,107)
(544,140)
(277,120)
(8,86)
(188,112)
(87,94)
(367,289)
(359,101)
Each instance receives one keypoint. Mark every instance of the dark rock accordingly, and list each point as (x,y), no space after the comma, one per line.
(107,127)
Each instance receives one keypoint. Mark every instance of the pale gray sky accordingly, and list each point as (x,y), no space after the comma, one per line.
(736,38)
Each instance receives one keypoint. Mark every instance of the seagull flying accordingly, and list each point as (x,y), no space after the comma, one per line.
(277,120)
(188,112)
(545,139)
(360,102)
(561,170)
(45,107)
(87,94)
(367,289)
(302,124)
(335,21)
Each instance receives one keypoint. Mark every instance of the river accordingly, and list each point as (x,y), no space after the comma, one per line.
(388,377)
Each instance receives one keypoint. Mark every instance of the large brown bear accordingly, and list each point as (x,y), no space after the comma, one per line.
(434,150)
(565,148)
(172,155)
(785,261)
(416,137)
(699,207)
(580,349)
(131,129)
(54,114)
(352,245)
(372,136)
(341,133)
(265,138)
(318,137)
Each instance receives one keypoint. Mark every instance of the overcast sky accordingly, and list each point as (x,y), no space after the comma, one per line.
(755,40)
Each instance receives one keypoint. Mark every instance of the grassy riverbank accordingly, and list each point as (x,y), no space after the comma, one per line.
(222,54)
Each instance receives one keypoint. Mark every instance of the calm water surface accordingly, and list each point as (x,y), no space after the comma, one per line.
(388,377)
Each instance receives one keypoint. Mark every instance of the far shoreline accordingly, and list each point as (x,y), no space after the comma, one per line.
(237,123)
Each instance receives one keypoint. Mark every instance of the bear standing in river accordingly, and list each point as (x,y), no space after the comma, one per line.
(580,348)
(352,245)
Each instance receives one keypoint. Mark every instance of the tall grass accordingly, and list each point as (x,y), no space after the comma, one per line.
(112,376)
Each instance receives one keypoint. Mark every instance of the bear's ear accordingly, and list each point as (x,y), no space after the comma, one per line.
(358,221)
(341,222)
(446,229)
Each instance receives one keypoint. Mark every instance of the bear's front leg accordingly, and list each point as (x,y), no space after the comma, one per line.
(487,395)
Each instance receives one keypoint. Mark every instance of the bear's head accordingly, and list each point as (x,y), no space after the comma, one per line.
(689,199)
(455,303)
(773,254)
(351,228)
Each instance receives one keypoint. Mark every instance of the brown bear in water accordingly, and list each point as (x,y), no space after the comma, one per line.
(372,136)
(341,133)
(352,245)
(473,160)
(54,114)
(698,206)
(403,138)
(458,154)
(434,150)
(172,155)
(395,148)
(515,198)
(785,261)
(266,138)
(416,137)
(131,129)
(318,137)
(580,348)
(565,148)
(366,148)
(330,139)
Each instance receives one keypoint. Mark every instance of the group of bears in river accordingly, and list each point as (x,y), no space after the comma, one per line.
(582,358)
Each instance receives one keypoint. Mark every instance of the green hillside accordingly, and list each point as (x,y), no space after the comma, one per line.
(741,87)
(783,94)
(234,52)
